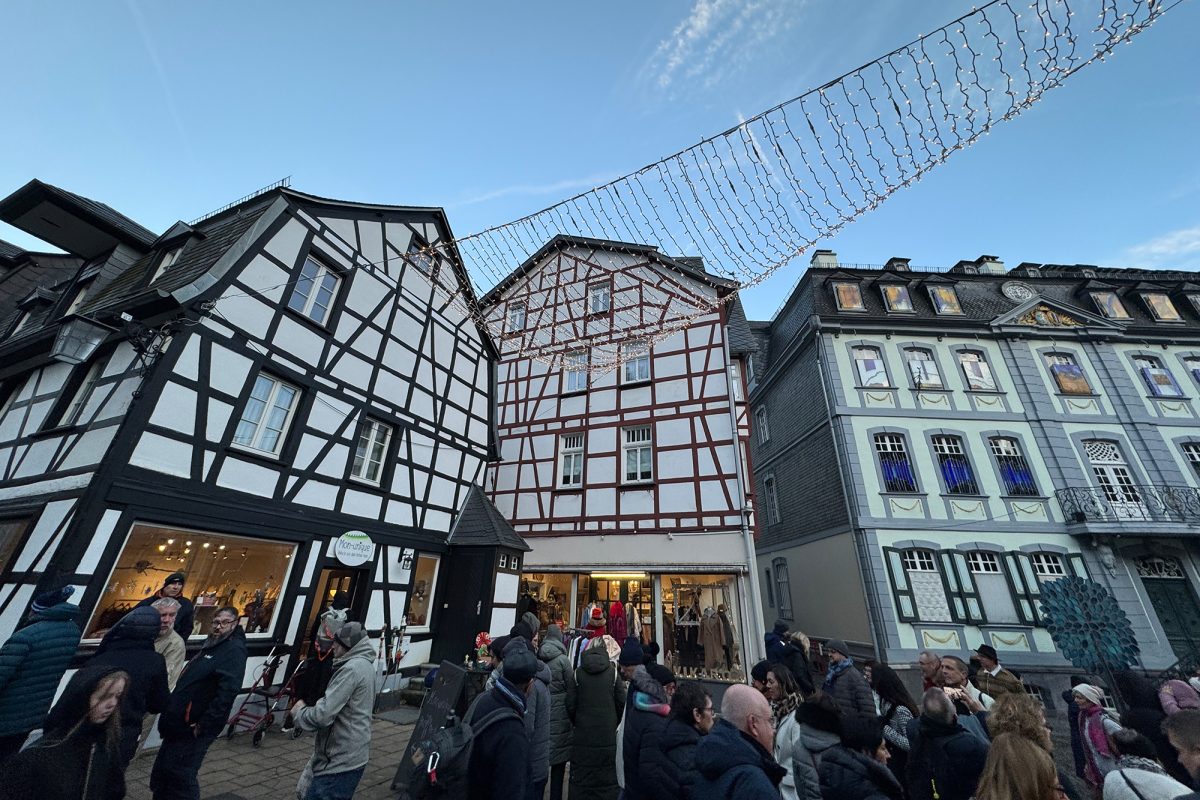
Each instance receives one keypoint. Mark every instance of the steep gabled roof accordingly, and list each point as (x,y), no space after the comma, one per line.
(741,340)
(481,524)
(77,224)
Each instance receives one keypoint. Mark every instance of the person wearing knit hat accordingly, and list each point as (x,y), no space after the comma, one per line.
(342,717)
(522,630)
(596,622)
(1096,727)
(129,646)
(631,657)
(538,704)
(50,599)
(646,710)
(498,766)
(664,676)
(776,640)
(758,676)
(846,684)
(173,588)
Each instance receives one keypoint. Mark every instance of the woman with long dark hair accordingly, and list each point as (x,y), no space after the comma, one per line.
(896,708)
(79,754)
(785,697)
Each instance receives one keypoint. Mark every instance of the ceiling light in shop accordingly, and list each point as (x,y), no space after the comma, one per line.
(619,576)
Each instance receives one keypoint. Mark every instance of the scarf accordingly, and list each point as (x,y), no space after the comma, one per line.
(837,669)
(1144,764)
(505,688)
(1091,726)
(782,708)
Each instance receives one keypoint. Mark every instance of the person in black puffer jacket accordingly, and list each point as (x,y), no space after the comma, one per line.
(600,699)
(646,713)
(79,754)
(667,764)
(944,760)
(129,646)
(857,768)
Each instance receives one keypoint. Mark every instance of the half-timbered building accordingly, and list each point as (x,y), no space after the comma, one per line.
(623,447)
(287,399)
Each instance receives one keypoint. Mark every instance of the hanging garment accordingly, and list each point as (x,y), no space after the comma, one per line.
(712,639)
(618,626)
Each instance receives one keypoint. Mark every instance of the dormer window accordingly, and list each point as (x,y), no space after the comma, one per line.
(848,296)
(1110,305)
(1161,307)
(1194,299)
(169,258)
(896,298)
(77,301)
(419,256)
(945,300)
(22,321)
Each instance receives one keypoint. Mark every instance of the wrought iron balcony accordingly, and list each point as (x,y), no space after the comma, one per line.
(1130,503)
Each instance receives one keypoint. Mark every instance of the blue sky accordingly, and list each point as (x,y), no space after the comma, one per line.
(169,110)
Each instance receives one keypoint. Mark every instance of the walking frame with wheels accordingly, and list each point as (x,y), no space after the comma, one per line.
(265,700)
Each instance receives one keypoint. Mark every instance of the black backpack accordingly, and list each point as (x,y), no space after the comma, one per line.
(441,761)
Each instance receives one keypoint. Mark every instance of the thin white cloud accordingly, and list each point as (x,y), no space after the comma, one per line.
(1168,249)
(534,189)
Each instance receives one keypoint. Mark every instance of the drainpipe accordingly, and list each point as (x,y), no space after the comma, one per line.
(754,621)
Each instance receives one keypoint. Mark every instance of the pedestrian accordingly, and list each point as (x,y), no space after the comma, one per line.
(599,704)
(32,663)
(776,641)
(733,762)
(199,708)
(1138,773)
(1024,716)
(668,764)
(537,715)
(78,756)
(341,718)
(1194,680)
(993,679)
(856,769)
(628,661)
(1096,727)
(1143,713)
(1176,695)
(315,672)
(169,644)
(795,658)
(173,587)
(896,710)
(945,761)
(646,710)
(930,664)
(1017,769)
(846,684)
(562,705)
(955,679)
(1183,731)
(1077,755)
(129,647)
(498,767)
(758,676)
(785,698)
(820,722)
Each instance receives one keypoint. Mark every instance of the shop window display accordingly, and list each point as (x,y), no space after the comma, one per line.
(548,596)
(221,571)
(700,626)
(423,585)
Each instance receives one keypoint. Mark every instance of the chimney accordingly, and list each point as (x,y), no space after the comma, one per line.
(898,264)
(824,259)
(990,265)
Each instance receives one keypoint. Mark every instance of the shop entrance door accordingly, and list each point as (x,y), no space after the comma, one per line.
(1174,602)
(329,583)
(461,609)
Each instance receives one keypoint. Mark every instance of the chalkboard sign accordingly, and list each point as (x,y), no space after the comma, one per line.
(439,702)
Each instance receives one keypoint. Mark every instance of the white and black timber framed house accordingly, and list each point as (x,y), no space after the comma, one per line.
(283,400)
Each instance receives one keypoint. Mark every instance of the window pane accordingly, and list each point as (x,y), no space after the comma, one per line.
(1161,307)
(871,371)
(955,466)
(896,298)
(923,369)
(847,296)
(927,586)
(11,531)
(945,300)
(977,371)
(423,587)
(304,284)
(1110,305)
(898,475)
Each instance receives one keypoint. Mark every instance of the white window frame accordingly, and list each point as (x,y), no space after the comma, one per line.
(636,363)
(433,585)
(1048,566)
(1150,367)
(761,422)
(268,403)
(1154,311)
(918,561)
(947,311)
(169,258)
(643,446)
(83,395)
(984,563)
(1058,358)
(516,316)
(599,298)
(837,297)
(504,561)
(861,370)
(308,305)
(1191,451)
(373,435)
(904,293)
(419,258)
(771,490)
(571,450)
(952,446)
(1122,312)
(922,355)
(735,382)
(977,357)
(998,444)
(890,445)
(575,371)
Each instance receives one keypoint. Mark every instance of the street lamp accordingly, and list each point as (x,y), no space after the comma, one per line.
(78,339)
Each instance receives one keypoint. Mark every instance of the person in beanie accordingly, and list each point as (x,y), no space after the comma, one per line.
(536,714)
(341,718)
(199,707)
(646,710)
(758,676)
(733,762)
(857,768)
(498,765)
(173,588)
(314,674)
(776,640)
(32,663)
(599,703)
(993,679)
(169,644)
(1096,728)
(129,647)
(846,684)
(629,660)
(562,706)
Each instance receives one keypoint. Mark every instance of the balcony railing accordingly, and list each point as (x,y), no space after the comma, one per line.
(1130,503)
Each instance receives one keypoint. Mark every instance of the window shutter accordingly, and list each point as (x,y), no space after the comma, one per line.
(965,603)
(1026,591)
(954,595)
(902,593)
(1077,565)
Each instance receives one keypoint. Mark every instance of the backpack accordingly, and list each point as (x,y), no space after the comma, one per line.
(441,761)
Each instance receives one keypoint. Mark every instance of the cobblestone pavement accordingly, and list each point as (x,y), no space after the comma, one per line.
(235,770)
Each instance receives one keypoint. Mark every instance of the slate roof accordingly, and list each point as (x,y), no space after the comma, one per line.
(741,340)
(109,216)
(481,524)
(28,273)
(9,251)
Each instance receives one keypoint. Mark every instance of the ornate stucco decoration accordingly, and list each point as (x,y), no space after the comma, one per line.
(1043,316)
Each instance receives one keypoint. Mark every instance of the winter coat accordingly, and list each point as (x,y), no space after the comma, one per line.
(776,644)
(342,717)
(1175,695)
(562,698)
(618,625)
(852,692)
(184,620)
(69,763)
(642,725)
(796,660)
(171,647)
(996,685)
(945,756)
(206,689)
(32,662)
(131,650)
(809,750)
(600,700)
(667,764)
(1117,785)
(712,639)
(849,775)
(1148,722)
(493,772)
(537,724)
(732,766)
(787,739)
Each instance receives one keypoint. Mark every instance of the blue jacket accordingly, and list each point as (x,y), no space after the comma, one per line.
(732,766)
(775,647)
(32,662)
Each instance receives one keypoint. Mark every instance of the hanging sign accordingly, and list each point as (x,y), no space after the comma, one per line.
(353,548)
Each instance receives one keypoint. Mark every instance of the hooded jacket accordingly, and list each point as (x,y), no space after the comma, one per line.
(732,766)
(600,699)
(946,757)
(498,752)
(562,694)
(776,644)
(206,689)
(810,748)
(668,762)
(645,717)
(848,775)
(69,763)
(129,647)
(32,662)
(537,724)
(342,717)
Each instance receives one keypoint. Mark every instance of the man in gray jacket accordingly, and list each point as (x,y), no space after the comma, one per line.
(342,718)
